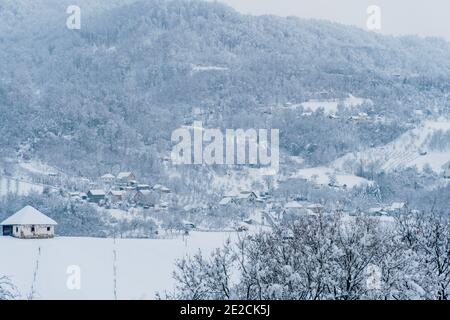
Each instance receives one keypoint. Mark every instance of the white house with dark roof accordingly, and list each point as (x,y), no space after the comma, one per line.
(29,223)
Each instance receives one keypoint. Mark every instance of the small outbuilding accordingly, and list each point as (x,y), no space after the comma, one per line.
(146,198)
(96,195)
(29,223)
(116,196)
(126,177)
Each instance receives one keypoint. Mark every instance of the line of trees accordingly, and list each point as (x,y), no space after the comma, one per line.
(7,290)
(326,257)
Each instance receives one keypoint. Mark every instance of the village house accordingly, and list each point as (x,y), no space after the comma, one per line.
(246,197)
(107,178)
(83,196)
(294,209)
(143,187)
(29,223)
(115,196)
(163,206)
(74,194)
(376,211)
(397,207)
(126,177)
(164,192)
(161,189)
(195,208)
(96,195)
(315,208)
(146,198)
(394,208)
(226,201)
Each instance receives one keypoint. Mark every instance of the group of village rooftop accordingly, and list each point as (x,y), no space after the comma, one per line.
(113,190)
(124,188)
(30,223)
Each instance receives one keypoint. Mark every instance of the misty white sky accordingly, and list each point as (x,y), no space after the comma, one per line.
(399,17)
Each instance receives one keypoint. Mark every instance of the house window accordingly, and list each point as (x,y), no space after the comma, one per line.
(32,228)
(48,228)
(17,229)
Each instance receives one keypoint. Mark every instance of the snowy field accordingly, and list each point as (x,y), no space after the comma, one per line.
(144,266)
(19,187)
(331,105)
(322,175)
(405,151)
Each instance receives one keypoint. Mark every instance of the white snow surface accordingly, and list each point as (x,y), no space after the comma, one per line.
(38,167)
(199,68)
(404,151)
(321,176)
(17,186)
(331,105)
(144,266)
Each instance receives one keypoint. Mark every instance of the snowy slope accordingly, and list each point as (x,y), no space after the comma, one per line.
(321,176)
(331,105)
(19,187)
(405,151)
(144,266)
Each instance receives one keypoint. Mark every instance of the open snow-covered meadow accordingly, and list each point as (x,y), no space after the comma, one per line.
(17,186)
(143,266)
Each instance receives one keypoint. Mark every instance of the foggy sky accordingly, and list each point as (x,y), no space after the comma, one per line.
(398,17)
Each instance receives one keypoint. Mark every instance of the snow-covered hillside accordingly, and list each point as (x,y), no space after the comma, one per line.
(331,105)
(410,149)
(144,266)
(19,187)
(324,176)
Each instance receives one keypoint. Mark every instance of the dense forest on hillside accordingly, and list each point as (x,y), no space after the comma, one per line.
(112,93)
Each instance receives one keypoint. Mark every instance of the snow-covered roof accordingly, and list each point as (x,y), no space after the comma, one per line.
(97,192)
(116,192)
(397,205)
(225,200)
(145,192)
(107,176)
(230,194)
(315,206)
(161,188)
(122,175)
(195,206)
(27,216)
(294,205)
(246,194)
(375,210)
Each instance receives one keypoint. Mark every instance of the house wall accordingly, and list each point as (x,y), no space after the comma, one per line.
(96,198)
(40,231)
